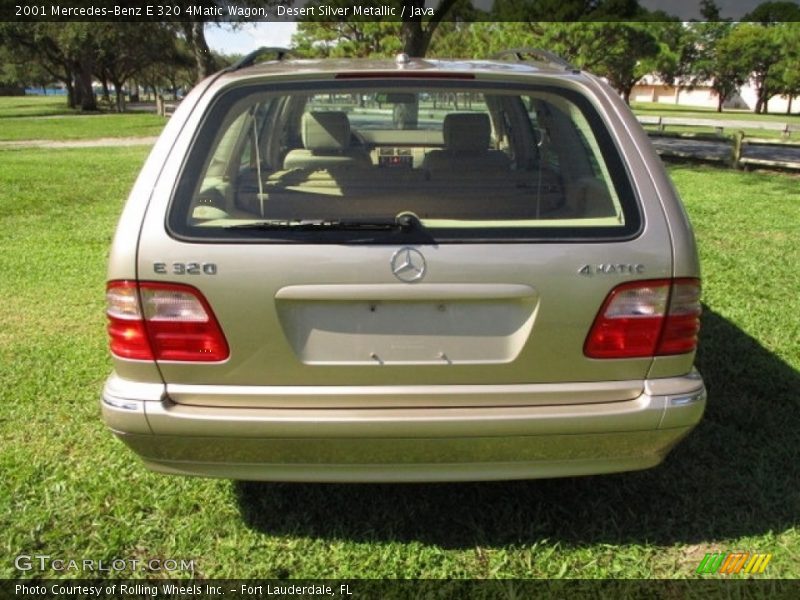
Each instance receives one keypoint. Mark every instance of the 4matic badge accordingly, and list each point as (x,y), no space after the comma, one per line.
(612,269)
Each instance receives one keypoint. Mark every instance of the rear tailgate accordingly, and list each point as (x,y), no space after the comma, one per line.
(337,324)
(336,316)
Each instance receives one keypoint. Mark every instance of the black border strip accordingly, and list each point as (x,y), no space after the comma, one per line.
(357,589)
(236,11)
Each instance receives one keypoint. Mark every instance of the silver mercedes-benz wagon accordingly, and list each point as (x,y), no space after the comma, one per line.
(407,270)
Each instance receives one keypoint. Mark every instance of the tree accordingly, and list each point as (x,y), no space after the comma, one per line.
(194,33)
(781,77)
(619,51)
(191,23)
(753,51)
(607,37)
(774,12)
(709,10)
(173,73)
(10,80)
(786,73)
(677,52)
(480,39)
(64,50)
(126,49)
(354,39)
(712,66)
(319,36)
(18,71)
(415,32)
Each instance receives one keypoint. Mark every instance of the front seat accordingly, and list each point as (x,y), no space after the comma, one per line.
(466,146)
(326,137)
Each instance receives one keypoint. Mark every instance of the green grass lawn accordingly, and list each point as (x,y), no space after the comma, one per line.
(697,112)
(81,127)
(69,489)
(48,118)
(34,106)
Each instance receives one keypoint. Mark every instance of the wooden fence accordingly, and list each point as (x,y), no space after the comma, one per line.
(719,125)
(164,108)
(738,141)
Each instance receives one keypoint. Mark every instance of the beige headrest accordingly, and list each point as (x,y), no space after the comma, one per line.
(326,130)
(467,132)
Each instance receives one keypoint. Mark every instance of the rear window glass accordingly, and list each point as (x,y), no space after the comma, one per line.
(386,160)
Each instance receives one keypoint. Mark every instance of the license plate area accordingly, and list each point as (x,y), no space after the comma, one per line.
(422,331)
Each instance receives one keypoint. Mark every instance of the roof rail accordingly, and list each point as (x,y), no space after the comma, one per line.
(250,59)
(537,53)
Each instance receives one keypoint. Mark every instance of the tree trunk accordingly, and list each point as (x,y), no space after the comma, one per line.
(120,96)
(77,90)
(202,55)
(406,115)
(626,94)
(415,40)
(71,99)
(106,93)
(789,105)
(84,81)
(415,44)
(717,88)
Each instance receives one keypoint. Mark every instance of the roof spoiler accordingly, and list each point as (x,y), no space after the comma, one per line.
(538,54)
(250,59)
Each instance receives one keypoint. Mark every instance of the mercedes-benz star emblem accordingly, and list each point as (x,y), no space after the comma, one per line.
(408,265)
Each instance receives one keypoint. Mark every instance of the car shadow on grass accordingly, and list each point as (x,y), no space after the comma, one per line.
(735,475)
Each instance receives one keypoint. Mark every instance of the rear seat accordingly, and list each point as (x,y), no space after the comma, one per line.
(466,147)
(328,177)
(326,137)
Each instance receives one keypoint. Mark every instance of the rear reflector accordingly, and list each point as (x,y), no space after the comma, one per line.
(683,319)
(647,318)
(162,321)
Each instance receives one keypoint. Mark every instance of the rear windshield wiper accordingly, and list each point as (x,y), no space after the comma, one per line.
(403,222)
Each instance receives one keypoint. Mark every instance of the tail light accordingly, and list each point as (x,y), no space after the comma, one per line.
(647,318)
(162,321)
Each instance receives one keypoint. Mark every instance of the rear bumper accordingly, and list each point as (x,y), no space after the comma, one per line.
(404,444)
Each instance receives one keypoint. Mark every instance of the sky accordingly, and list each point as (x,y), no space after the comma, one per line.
(249,36)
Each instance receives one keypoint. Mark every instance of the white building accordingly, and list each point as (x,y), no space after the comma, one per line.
(652,89)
